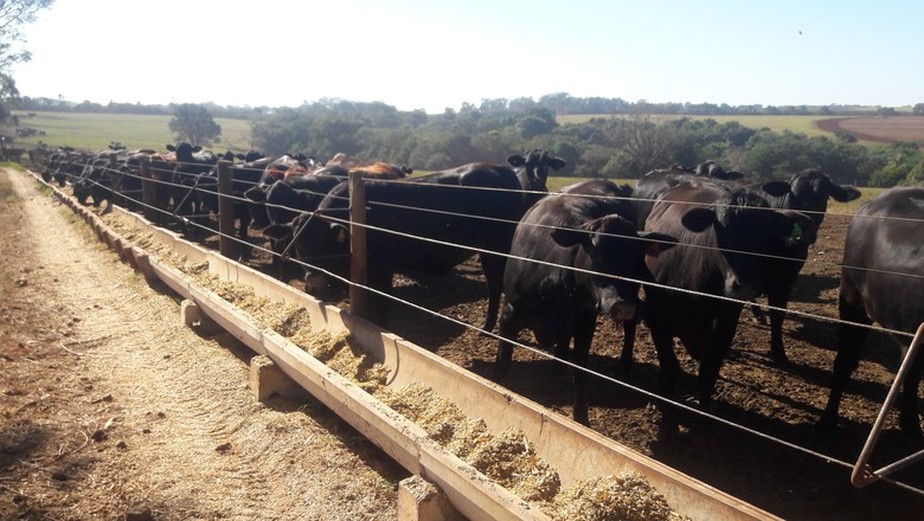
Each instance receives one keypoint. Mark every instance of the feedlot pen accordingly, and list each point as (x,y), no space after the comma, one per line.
(774,478)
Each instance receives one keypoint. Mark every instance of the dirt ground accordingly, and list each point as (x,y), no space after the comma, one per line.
(99,306)
(112,409)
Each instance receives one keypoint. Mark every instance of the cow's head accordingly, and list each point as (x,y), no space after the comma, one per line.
(615,251)
(741,222)
(184,151)
(533,170)
(810,190)
(319,240)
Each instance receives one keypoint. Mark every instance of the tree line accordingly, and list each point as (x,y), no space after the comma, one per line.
(625,144)
(618,146)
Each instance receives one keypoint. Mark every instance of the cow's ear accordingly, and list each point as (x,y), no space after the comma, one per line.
(698,219)
(278,231)
(171,148)
(255,194)
(557,163)
(776,188)
(844,193)
(657,242)
(516,160)
(568,237)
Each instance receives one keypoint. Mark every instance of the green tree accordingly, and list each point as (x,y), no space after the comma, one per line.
(918,109)
(193,123)
(535,122)
(13,15)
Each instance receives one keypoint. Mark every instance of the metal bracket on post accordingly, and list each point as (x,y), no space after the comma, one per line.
(862,474)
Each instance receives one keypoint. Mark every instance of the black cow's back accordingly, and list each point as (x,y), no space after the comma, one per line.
(883,268)
(882,280)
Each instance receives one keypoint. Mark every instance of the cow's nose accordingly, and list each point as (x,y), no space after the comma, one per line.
(616,307)
(315,283)
(735,288)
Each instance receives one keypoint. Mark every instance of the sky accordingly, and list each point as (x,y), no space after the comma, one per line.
(435,54)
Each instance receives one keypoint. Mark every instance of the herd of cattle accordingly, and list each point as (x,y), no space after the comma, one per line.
(703,241)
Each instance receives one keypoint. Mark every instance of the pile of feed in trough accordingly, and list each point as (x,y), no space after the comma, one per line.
(339,352)
(508,458)
(626,497)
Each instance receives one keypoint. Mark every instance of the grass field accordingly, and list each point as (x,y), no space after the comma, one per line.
(95,131)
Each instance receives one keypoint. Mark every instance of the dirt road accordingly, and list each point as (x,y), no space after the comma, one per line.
(111,408)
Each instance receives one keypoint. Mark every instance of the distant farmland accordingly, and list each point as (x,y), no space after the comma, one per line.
(95,131)
(801,124)
(879,130)
(868,130)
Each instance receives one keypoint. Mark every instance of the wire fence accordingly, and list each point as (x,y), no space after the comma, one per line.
(197,179)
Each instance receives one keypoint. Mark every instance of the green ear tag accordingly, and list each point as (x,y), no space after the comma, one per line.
(796,231)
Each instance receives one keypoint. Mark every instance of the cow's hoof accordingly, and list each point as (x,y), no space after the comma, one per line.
(779,357)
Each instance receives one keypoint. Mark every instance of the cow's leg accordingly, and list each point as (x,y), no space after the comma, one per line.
(851,339)
(757,313)
(778,298)
(583,336)
(628,343)
(493,267)
(507,330)
(714,353)
(667,376)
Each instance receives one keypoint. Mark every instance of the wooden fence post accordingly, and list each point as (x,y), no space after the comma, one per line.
(115,184)
(359,297)
(227,245)
(149,192)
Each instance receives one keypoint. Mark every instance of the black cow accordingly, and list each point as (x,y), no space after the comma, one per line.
(780,269)
(720,229)
(95,181)
(101,175)
(571,230)
(192,164)
(882,281)
(286,199)
(449,206)
(66,164)
(711,169)
(127,186)
(654,183)
(281,201)
(533,172)
(808,191)
(244,177)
